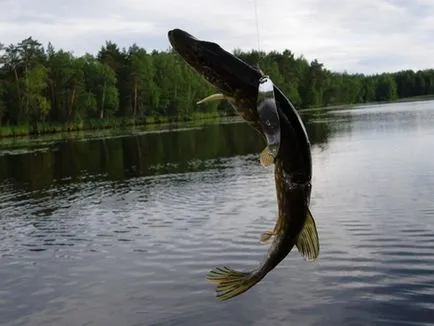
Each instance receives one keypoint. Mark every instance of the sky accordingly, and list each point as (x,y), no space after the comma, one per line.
(357,36)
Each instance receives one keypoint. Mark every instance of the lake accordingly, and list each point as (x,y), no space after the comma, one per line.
(121,229)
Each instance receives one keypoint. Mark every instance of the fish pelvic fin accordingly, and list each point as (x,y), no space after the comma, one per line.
(231,283)
(266,236)
(307,241)
(213,97)
(266,158)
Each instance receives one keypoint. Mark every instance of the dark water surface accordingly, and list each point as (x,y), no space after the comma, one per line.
(121,230)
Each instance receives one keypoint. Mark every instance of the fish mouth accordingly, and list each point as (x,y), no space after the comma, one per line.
(183,42)
(224,71)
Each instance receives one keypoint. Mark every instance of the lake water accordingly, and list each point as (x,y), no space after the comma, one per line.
(122,229)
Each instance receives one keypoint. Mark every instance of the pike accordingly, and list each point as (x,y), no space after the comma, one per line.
(263,105)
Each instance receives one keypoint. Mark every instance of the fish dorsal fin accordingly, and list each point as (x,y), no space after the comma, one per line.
(307,241)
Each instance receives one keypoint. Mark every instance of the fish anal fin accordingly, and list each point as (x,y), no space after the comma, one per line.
(307,241)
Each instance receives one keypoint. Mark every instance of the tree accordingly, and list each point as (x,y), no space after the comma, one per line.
(66,85)
(101,81)
(420,84)
(386,88)
(37,105)
(141,80)
(112,56)
(2,105)
(56,86)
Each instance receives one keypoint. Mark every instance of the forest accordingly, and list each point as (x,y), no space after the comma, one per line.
(46,89)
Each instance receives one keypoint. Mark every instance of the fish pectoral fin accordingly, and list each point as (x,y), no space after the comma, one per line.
(266,158)
(230,283)
(266,236)
(307,241)
(213,97)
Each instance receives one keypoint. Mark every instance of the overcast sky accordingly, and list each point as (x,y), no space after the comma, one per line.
(355,35)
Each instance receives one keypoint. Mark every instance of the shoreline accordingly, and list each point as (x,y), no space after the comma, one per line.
(51,128)
(352,105)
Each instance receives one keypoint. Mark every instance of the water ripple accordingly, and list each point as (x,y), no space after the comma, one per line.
(136,250)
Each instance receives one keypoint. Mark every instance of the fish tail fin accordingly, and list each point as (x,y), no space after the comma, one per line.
(231,283)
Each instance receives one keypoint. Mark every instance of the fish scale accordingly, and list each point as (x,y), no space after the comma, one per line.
(259,102)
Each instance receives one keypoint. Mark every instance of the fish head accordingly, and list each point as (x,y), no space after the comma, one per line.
(255,98)
(235,79)
(227,73)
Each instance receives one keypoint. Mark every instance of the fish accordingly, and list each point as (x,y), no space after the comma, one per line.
(264,106)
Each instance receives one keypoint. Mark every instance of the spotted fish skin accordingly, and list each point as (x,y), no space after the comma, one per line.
(238,83)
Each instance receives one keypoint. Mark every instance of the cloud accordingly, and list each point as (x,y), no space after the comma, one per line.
(366,36)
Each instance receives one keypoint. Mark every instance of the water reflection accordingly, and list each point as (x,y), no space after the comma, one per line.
(144,154)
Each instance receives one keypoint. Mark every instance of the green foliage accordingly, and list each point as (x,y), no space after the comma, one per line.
(386,88)
(37,105)
(100,80)
(2,105)
(50,90)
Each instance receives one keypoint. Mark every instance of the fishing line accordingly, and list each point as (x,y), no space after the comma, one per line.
(257,24)
(257,32)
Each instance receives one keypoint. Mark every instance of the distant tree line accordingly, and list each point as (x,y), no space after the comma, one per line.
(49,85)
